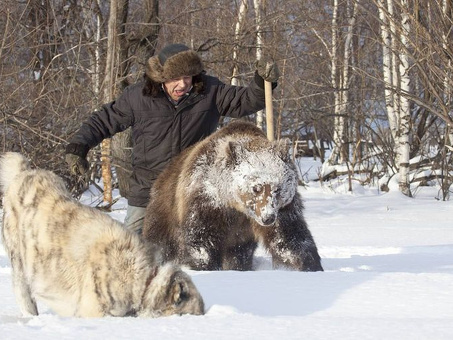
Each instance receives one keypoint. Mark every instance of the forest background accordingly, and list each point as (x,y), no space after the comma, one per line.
(370,80)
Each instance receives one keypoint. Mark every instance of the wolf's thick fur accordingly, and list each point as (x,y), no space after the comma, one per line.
(78,260)
(217,199)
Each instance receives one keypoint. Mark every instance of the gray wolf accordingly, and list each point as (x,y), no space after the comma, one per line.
(215,201)
(78,260)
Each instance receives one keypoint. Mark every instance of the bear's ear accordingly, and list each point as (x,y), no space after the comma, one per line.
(282,148)
(233,150)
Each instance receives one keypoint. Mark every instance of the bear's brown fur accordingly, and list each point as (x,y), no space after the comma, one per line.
(219,198)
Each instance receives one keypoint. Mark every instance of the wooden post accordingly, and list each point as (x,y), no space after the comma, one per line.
(106,170)
(269,110)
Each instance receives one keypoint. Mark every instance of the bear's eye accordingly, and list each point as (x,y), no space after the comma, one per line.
(257,189)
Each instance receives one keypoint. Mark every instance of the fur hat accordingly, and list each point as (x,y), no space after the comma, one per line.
(173,61)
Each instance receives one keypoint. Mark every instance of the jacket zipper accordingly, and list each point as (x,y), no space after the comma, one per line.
(178,108)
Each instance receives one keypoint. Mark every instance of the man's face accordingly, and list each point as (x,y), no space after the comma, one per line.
(177,88)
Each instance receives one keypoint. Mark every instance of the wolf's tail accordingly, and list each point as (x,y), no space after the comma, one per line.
(11,165)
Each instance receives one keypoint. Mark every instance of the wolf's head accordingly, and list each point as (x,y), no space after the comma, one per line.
(171,292)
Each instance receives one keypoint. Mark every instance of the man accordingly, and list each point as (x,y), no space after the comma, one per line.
(175,106)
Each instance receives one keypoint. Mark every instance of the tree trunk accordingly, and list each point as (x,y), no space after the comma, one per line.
(387,67)
(447,8)
(346,81)
(112,70)
(281,104)
(237,41)
(405,118)
(257,4)
(143,47)
(340,83)
(337,140)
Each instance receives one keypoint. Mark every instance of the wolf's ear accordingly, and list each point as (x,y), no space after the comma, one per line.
(179,292)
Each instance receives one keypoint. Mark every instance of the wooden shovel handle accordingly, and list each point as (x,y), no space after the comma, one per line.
(269,110)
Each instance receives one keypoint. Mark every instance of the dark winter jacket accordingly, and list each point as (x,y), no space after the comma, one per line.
(161,130)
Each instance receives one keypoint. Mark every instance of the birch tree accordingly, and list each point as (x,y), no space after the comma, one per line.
(405,116)
(387,70)
(395,47)
(447,10)
(257,5)
(242,12)
(337,138)
(340,79)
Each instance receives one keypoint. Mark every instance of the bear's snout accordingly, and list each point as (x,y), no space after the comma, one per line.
(268,220)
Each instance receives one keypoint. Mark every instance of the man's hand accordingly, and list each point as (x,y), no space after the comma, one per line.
(77,165)
(268,70)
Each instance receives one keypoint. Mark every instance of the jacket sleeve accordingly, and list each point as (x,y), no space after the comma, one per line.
(238,101)
(113,117)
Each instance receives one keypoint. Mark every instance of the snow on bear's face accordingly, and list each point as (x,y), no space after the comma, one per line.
(262,183)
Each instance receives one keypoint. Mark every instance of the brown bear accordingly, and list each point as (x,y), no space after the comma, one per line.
(217,199)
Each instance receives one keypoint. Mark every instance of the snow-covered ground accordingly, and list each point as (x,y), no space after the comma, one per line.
(388,264)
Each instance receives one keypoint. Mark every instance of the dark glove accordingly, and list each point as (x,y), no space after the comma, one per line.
(77,164)
(76,158)
(268,70)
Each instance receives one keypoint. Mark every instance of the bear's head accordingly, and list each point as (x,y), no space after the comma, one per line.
(263,178)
